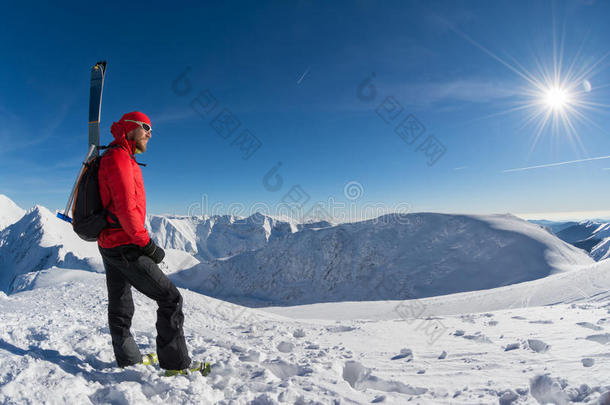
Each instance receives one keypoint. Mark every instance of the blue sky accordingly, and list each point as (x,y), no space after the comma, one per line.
(290,72)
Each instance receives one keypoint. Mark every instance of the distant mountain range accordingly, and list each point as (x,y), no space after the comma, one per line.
(592,236)
(262,260)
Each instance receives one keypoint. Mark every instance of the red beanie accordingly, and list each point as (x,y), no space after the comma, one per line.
(134,116)
(123,127)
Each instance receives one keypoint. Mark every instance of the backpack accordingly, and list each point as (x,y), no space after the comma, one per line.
(88,212)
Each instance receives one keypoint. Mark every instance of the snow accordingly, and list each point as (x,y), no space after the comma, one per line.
(554,226)
(601,251)
(56,349)
(392,257)
(209,238)
(9,212)
(40,240)
(501,311)
(587,282)
(593,236)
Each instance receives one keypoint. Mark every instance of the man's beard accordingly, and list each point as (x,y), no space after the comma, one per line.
(140,147)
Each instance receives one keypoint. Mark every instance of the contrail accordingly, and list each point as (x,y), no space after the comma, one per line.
(303,76)
(555,164)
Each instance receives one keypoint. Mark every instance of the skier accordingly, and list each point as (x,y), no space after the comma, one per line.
(130,256)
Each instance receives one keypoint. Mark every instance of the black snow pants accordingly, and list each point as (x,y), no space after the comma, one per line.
(126,267)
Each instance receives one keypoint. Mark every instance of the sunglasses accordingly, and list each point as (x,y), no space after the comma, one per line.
(144,125)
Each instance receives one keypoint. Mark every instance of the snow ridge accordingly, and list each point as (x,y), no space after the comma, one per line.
(39,240)
(391,257)
(9,212)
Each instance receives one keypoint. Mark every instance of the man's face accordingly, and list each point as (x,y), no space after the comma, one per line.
(141,137)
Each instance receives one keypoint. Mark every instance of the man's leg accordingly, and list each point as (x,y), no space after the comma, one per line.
(120,313)
(145,276)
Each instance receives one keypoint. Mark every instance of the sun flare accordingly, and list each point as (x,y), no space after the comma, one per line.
(556,98)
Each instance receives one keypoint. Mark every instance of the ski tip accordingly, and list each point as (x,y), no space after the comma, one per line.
(100,65)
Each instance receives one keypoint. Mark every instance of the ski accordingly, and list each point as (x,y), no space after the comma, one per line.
(98,72)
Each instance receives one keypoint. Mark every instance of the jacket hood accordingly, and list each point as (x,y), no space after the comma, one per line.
(118,131)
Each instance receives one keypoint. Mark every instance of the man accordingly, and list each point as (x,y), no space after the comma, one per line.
(130,256)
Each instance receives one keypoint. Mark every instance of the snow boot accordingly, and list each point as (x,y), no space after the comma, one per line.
(149,359)
(196,367)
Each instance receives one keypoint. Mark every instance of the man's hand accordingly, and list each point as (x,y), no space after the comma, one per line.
(154,252)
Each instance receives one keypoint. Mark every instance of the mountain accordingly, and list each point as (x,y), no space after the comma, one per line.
(40,240)
(592,236)
(390,257)
(579,232)
(9,212)
(548,335)
(601,250)
(209,238)
(554,226)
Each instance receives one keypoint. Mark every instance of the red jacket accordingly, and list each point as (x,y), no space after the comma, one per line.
(123,194)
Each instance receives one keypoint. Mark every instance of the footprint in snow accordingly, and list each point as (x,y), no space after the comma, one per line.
(603,338)
(538,345)
(587,362)
(361,378)
(238,349)
(252,356)
(378,398)
(285,347)
(508,397)
(478,337)
(603,321)
(283,370)
(589,325)
(404,353)
(340,328)
(511,346)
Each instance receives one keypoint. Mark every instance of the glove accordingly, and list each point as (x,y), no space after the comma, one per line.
(154,252)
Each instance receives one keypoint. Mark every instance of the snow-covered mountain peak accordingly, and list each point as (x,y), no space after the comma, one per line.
(40,240)
(9,212)
(395,256)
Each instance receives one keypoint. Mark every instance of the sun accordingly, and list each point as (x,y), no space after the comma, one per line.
(556,98)
(557,95)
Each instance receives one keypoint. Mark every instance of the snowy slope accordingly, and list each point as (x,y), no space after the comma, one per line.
(9,212)
(220,236)
(392,257)
(580,231)
(591,283)
(592,236)
(40,240)
(56,349)
(601,251)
